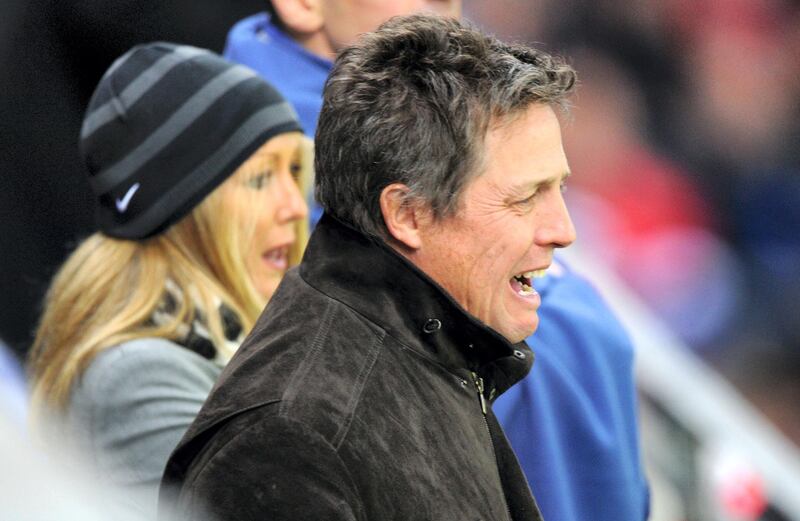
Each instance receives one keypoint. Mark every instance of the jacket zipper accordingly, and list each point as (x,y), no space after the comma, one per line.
(478,381)
(479,386)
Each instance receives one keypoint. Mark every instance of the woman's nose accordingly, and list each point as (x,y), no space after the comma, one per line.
(292,205)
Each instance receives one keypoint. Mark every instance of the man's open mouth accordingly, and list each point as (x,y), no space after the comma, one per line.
(523,283)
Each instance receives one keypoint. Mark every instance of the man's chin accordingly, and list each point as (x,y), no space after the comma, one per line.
(521,332)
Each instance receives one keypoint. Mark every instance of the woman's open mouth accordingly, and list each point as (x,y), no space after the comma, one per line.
(277,258)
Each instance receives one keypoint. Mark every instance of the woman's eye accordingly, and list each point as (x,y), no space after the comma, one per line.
(260,181)
(295,169)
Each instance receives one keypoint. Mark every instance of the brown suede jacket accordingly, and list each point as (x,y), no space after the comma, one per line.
(356,397)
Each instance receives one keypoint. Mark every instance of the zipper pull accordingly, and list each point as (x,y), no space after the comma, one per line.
(479,386)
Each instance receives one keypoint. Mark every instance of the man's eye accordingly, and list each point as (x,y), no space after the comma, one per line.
(260,181)
(563,186)
(529,199)
(295,169)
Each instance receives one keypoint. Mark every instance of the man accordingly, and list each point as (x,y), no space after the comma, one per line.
(364,390)
(572,421)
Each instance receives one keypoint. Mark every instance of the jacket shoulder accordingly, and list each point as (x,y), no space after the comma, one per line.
(337,363)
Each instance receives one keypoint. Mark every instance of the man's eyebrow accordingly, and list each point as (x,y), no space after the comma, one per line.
(524,187)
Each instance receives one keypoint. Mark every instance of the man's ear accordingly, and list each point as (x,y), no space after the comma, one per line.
(401,215)
(300,16)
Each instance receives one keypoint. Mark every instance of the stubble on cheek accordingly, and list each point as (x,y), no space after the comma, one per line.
(484,281)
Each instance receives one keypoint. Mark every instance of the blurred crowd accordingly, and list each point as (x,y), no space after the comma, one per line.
(684,146)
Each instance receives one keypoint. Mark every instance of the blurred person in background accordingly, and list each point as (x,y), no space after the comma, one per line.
(721,84)
(13,392)
(293,44)
(736,123)
(581,387)
(198,168)
(660,237)
(39,487)
(35,486)
(741,132)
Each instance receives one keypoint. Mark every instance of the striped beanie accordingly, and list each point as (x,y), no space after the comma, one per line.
(165,126)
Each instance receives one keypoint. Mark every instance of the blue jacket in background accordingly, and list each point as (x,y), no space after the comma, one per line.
(572,421)
(295,72)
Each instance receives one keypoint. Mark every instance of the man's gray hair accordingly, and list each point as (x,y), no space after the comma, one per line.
(411,103)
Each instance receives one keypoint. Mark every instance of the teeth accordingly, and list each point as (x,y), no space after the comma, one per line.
(533,274)
(526,290)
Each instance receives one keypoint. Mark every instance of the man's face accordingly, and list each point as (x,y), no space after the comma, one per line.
(345,20)
(510,219)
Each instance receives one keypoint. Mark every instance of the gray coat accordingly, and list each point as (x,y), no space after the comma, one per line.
(131,407)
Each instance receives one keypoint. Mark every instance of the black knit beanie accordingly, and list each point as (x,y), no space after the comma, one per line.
(166,125)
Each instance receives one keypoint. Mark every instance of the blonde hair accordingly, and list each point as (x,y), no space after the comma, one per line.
(108,289)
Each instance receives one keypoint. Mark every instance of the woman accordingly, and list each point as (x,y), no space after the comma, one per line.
(198,167)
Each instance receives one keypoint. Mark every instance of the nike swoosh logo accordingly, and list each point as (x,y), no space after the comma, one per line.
(122,204)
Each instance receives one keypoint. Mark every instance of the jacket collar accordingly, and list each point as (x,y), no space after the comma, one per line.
(370,277)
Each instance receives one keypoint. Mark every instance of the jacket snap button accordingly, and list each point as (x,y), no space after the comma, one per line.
(432,324)
(519,354)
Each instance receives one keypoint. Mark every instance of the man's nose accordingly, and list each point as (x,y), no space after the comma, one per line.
(559,231)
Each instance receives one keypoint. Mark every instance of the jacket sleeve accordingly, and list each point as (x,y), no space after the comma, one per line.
(275,469)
